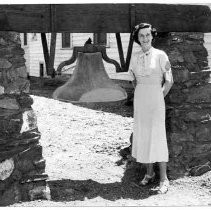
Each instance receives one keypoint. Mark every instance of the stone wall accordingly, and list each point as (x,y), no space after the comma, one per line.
(188,115)
(22,166)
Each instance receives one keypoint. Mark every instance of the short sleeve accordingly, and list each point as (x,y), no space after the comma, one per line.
(164,62)
(166,67)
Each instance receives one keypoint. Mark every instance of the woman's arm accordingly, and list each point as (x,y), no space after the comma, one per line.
(168,79)
(166,87)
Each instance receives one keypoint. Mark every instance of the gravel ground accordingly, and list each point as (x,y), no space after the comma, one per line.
(81,147)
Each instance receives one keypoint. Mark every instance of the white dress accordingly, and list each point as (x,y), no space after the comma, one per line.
(149,130)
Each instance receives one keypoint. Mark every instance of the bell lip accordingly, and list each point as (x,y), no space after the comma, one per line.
(92,102)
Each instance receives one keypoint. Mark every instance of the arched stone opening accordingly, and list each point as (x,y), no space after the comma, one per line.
(188,116)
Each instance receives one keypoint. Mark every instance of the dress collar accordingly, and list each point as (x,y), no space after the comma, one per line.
(146,53)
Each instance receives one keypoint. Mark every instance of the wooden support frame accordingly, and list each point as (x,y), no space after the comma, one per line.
(104,18)
(49,58)
(129,52)
(45,50)
(88,48)
(125,65)
(120,50)
(52,54)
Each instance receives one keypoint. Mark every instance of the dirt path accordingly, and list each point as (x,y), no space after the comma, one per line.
(81,147)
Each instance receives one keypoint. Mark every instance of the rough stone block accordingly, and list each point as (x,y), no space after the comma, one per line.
(21,71)
(201,94)
(18,86)
(175,150)
(193,67)
(40,192)
(198,115)
(29,121)
(181,137)
(25,165)
(24,100)
(3,42)
(11,195)
(198,149)
(1,90)
(17,61)
(203,132)
(6,168)
(12,152)
(189,57)
(4,64)
(181,75)
(33,153)
(9,103)
(175,56)
(177,97)
(201,169)
(11,75)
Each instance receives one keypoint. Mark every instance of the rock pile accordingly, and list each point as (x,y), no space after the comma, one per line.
(22,166)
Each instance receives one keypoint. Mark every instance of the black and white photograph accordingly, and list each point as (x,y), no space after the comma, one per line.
(105,104)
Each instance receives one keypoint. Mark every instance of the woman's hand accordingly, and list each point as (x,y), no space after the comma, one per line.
(168,82)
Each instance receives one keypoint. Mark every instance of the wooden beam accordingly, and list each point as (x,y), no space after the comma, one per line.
(25,18)
(104,18)
(113,18)
(120,50)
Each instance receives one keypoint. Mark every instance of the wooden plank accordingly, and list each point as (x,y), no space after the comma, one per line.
(25,18)
(178,18)
(114,18)
(45,51)
(96,18)
(52,54)
(104,18)
(120,50)
(129,52)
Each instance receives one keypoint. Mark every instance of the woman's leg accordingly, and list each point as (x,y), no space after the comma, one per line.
(150,170)
(164,182)
(149,176)
(163,174)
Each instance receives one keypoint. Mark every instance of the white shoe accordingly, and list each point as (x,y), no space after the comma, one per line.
(147,179)
(163,188)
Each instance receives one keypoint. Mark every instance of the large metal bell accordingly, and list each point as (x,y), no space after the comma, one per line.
(90,82)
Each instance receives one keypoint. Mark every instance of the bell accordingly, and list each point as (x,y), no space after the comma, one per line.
(90,82)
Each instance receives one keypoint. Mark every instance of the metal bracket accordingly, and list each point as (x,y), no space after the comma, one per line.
(88,48)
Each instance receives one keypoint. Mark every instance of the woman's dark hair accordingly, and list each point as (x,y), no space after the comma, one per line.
(141,26)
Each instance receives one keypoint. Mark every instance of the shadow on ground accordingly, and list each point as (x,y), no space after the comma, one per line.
(73,190)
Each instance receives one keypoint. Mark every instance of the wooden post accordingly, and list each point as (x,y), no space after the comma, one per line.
(45,51)
(120,50)
(49,59)
(129,52)
(130,46)
(41,74)
(52,54)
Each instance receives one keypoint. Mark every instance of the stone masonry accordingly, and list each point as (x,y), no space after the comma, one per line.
(22,166)
(188,113)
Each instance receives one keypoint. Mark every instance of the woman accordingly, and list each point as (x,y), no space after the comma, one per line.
(148,67)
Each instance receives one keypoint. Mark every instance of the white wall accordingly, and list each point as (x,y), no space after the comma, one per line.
(34,52)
